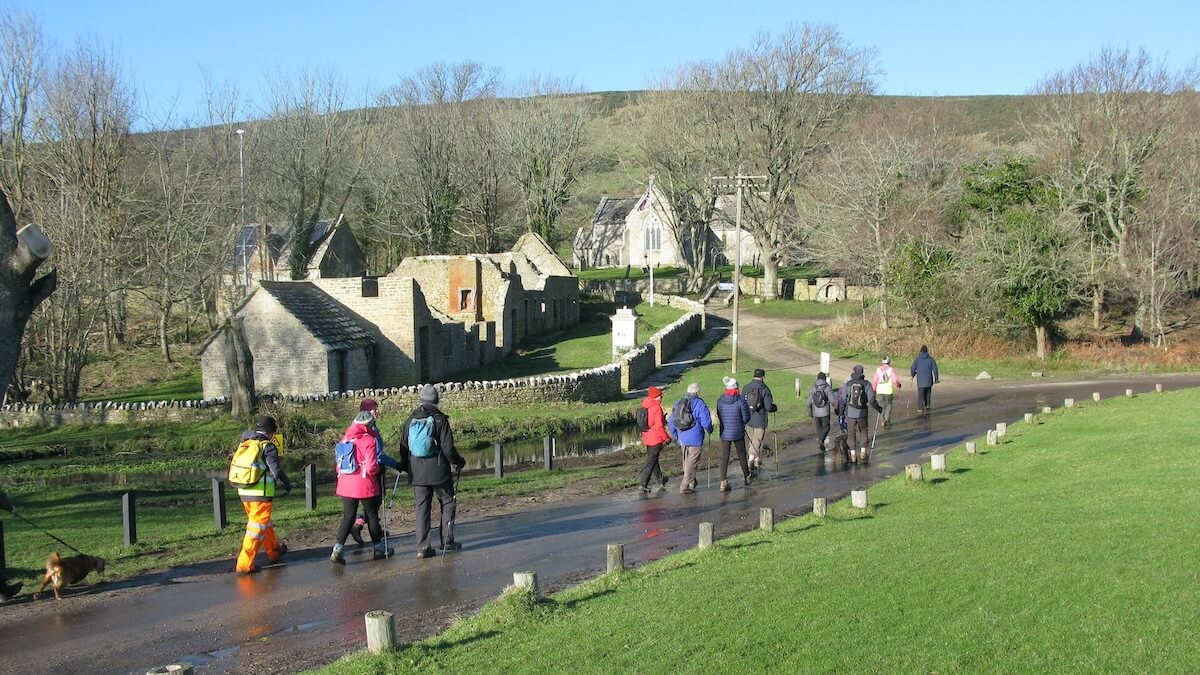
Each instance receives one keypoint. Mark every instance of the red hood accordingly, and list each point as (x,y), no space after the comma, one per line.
(649,403)
(357,430)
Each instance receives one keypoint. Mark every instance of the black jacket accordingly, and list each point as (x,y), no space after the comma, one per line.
(431,470)
(758,418)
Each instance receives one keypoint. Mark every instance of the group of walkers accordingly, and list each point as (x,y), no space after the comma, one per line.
(427,454)
(851,402)
(741,413)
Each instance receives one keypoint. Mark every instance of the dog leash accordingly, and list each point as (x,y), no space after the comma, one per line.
(31,524)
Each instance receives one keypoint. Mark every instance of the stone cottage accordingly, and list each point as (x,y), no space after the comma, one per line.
(264,252)
(637,231)
(431,317)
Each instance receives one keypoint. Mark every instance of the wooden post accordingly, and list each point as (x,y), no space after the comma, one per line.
(1096,396)
(937,462)
(1046,410)
(129,518)
(1128,393)
(218,495)
(913,472)
(970,447)
(616,557)
(1028,418)
(310,487)
(1001,429)
(858,498)
(706,535)
(548,453)
(766,519)
(526,580)
(381,631)
(3,564)
(1069,403)
(820,508)
(1158,388)
(173,669)
(499,460)
(797,387)
(992,439)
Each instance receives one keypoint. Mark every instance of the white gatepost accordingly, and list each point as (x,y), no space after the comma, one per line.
(825,366)
(624,331)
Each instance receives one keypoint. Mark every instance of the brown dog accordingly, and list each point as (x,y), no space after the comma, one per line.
(62,572)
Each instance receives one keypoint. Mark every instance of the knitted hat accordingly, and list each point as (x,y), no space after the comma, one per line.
(369,405)
(887,360)
(730,383)
(364,417)
(429,394)
(653,392)
(822,376)
(266,424)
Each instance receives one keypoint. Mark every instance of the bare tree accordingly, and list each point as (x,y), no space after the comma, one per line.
(786,95)
(543,133)
(1100,124)
(23,62)
(22,251)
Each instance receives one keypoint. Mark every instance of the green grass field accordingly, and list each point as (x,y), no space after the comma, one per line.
(1071,547)
(798,309)
(636,272)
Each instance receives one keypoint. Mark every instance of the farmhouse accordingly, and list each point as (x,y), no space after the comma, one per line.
(431,317)
(639,231)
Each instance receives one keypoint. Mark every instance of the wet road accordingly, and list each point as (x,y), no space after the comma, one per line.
(309,612)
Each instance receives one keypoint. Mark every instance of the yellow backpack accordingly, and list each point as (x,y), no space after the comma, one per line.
(246,468)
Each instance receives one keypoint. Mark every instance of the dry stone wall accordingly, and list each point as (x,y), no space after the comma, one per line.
(604,383)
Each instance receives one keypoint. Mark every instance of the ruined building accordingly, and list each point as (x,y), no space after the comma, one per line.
(431,317)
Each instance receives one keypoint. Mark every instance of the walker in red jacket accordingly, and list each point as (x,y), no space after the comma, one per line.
(655,437)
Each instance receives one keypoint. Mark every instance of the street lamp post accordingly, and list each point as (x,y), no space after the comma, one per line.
(740,180)
(242,190)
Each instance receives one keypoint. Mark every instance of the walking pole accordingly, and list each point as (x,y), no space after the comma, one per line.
(457,476)
(871,452)
(776,449)
(389,508)
(30,522)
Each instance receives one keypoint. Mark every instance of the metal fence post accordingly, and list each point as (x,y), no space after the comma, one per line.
(310,487)
(218,495)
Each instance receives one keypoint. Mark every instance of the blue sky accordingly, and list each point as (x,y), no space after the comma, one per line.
(924,48)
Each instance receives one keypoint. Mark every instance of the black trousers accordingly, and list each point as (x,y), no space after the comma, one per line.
(423,498)
(740,446)
(854,425)
(350,514)
(652,469)
(822,424)
(923,397)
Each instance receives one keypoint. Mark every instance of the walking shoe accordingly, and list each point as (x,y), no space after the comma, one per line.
(426,553)
(382,552)
(724,486)
(283,549)
(10,590)
(336,557)
(687,491)
(643,489)
(664,481)
(750,478)
(862,454)
(919,410)
(452,546)
(252,570)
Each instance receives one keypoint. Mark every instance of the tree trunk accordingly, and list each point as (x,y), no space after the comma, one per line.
(1097,306)
(1040,333)
(164,344)
(1138,331)
(239,368)
(770,276)
(20,255)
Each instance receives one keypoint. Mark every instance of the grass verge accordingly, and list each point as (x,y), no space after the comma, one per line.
(1068,548)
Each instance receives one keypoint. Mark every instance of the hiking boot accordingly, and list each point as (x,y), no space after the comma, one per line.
(426,553)
(664,481)
(452,546)
(750,478)
(724,486)
(643,489)
(687,491)
(862,455)
(336,557)
(10,590)
(381,551)
(283,549)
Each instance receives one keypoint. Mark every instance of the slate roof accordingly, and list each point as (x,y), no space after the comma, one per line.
(279,242)
(320,314)
(612,211)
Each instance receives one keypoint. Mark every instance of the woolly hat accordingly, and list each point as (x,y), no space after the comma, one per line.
(730,383)
(369,405)
(887,360)
(429,394)
(924,349)
(759,372)
(822,376)
(266,424)
(693,388)
(857,370)
(653,392)
(364,417)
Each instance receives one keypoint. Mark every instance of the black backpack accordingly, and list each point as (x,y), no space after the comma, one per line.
(642,418)
(819,399)
(858,394)
(754,398)
(681,412)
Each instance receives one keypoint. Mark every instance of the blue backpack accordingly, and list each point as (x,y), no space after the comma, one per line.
(344,457)
(420,438)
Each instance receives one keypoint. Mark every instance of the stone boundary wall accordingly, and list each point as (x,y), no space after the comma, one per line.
(603,383)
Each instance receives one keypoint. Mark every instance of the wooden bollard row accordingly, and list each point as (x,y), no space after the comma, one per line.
(1001,429)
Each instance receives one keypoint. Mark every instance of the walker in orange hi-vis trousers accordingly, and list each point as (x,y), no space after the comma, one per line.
(257,499)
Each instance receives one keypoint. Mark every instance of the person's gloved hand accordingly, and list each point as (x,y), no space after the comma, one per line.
(774,408)
(459,463)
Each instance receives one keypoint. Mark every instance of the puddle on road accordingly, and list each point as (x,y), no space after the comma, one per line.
(207,659)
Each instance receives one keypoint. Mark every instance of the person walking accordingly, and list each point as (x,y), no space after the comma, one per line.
(358,468)
(820,404)
(372,406)
(886,382)
(925,370)
(258,497)
(759,400)
(654,438)
(7,590)
(857,396)
(689,422)
(428,447)
(733,413)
